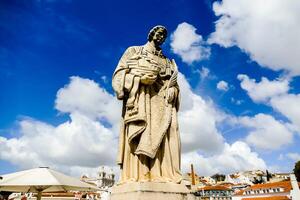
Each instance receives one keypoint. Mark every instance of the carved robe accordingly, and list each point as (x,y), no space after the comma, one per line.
(149,143)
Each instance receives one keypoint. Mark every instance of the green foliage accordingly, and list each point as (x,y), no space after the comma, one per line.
(297,170)
(257,180)
(218,177)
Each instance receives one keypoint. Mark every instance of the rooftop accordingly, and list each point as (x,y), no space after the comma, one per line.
(268,198)
(286,185)
(216,187)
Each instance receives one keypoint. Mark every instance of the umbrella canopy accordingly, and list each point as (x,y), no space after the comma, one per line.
(42,180)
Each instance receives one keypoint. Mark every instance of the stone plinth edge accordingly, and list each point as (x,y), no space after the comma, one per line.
(150,191)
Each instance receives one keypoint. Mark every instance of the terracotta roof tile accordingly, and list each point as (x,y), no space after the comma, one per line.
(58,194)
(241,192)
(268,198)
(286,185)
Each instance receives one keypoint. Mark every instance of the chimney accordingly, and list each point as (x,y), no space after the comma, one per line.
(193,175)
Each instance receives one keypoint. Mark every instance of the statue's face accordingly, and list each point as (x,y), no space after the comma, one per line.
(159,37)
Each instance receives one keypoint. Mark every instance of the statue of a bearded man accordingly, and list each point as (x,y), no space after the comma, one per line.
(149,144)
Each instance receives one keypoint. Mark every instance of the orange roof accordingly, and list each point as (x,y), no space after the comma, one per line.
(58,194)
(226,184)
(268,198)
(64,194)
(286,185)
(216,187)
(241,192)
(237,184)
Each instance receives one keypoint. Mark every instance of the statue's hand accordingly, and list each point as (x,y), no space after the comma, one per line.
(171,93)
(148,79)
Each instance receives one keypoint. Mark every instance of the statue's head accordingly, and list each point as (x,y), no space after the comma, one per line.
(158,35)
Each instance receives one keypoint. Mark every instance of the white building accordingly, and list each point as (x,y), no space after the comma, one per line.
(283,190)
(104,179)
(216,192)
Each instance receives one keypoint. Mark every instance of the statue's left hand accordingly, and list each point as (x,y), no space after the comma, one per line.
(171,93)
(148,79)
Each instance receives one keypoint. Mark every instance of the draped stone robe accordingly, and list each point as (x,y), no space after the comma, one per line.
(149,142)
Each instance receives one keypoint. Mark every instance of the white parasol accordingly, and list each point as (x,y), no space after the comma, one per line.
(41,180)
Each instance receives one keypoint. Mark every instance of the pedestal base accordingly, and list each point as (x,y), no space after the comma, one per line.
(151,191)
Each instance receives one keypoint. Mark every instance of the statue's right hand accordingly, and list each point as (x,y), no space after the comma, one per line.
(148,79)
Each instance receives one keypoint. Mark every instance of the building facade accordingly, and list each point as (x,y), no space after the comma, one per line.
(283,190)
(214,193)
(104,179)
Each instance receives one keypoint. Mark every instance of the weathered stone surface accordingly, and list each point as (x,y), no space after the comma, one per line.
(149,143)
(151,191)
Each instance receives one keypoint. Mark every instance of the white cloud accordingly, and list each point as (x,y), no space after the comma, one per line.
(204,73)
(267,30)
(87,98)
(223,85)
(275,94)
(104,79)
(266,132)
(80,145)
(186,43)
(236,101)
(288,105)
(79,142)
(294,156)
(235,157)
(198,122)
(265,89)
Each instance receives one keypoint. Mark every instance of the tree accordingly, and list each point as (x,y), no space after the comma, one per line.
(257,180)
(218,177)
(297,170)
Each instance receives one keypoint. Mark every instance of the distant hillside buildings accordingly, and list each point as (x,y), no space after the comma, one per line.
(103,180)
(248,185)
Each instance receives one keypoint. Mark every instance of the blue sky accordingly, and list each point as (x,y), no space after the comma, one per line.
(45,42)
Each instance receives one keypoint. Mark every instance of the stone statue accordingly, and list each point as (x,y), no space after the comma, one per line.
(149,144)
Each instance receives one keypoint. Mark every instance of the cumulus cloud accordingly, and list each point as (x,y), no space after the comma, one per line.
(222,85)
(204,73)
(265,89)
(80,144)
(266,132)
(289,106)
(198,121)
(235,157)
(189,45)
(275,94)
(85,97)
(267,30)
(294,156)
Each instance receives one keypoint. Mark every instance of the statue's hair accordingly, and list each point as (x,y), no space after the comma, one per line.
(154,29)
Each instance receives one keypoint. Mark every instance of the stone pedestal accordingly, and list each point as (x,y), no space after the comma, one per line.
(151,191)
